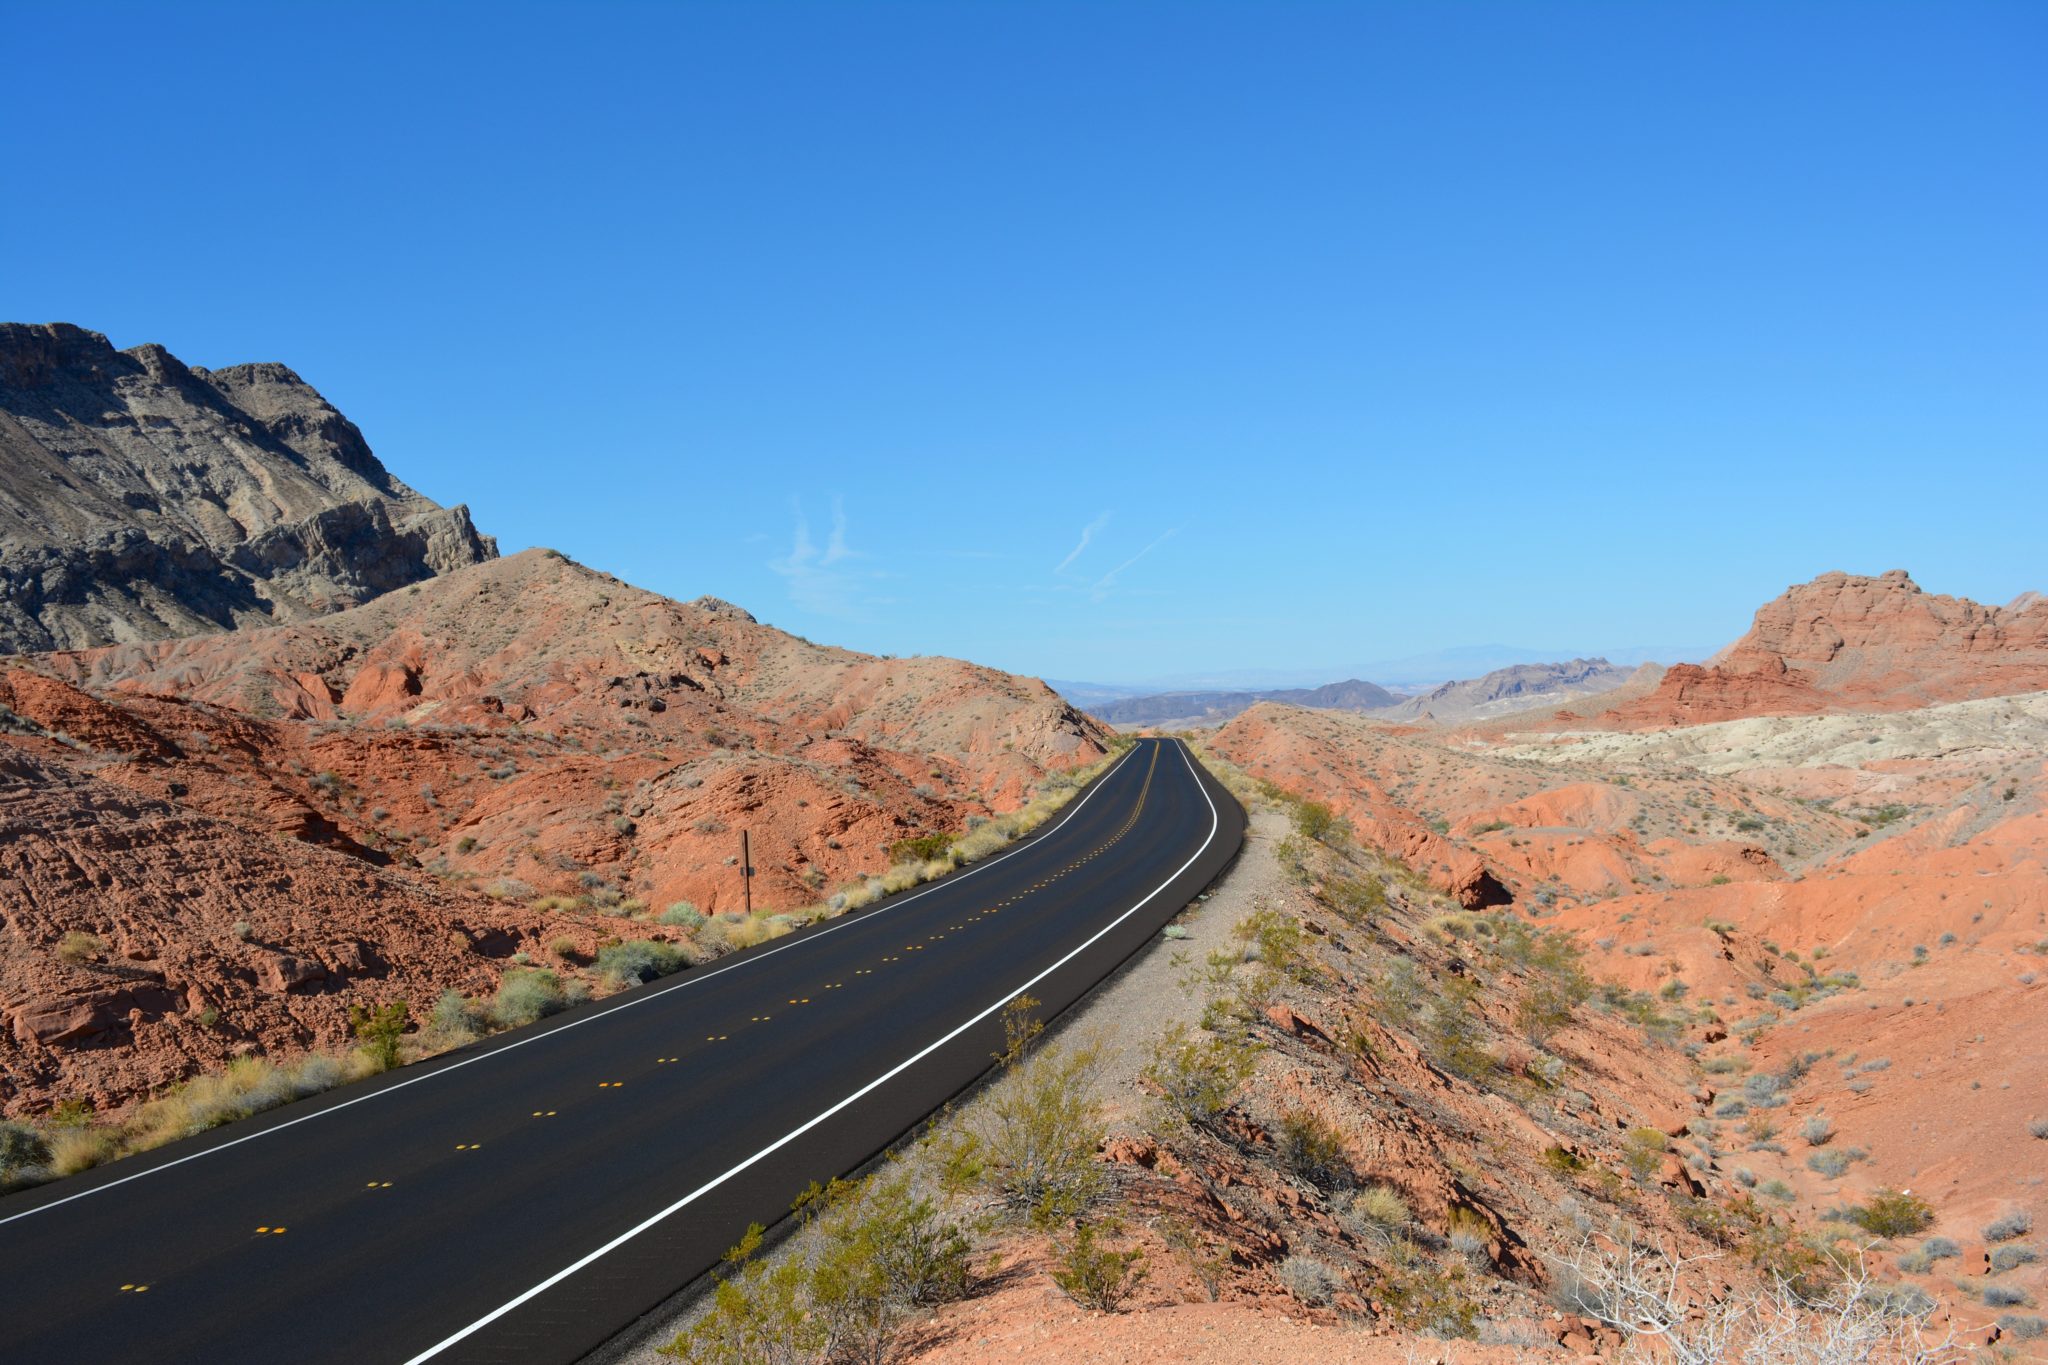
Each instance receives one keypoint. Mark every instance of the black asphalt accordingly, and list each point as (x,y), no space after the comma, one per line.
(525,1199)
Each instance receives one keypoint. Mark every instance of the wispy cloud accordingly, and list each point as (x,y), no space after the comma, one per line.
(822,580)
(1087,534)
(1102,585)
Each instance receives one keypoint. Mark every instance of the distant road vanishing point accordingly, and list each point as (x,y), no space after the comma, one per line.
(526,1199)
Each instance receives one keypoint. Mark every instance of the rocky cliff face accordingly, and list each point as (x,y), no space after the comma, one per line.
(1848,642)
(142,498)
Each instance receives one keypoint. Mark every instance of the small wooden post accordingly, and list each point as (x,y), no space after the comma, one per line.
(746,873)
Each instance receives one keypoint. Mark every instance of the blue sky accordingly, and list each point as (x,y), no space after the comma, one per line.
(1109,341)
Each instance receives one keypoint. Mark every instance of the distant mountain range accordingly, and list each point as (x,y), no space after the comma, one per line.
(1516,687)
(1214,707)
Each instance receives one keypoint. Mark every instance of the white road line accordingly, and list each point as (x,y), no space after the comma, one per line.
(1215,823)
(638,998)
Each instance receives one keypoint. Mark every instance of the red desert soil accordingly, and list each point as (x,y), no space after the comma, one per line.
(263,827)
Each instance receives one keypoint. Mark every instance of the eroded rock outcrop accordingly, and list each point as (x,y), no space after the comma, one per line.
(1844,641)
(142,498)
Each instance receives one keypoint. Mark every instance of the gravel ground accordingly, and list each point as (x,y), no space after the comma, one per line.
(1124,1015)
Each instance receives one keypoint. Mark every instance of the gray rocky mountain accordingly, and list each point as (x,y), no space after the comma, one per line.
(1506,690)
(142,498)
(1205,708)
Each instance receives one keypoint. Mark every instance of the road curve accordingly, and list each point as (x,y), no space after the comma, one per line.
(525,1199)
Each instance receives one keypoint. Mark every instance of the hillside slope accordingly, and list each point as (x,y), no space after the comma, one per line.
(142,498)
(519,757)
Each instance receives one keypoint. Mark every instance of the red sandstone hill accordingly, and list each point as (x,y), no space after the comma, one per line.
(1847,642)
(263,826)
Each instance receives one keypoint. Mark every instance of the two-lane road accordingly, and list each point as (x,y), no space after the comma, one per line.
(526,1199)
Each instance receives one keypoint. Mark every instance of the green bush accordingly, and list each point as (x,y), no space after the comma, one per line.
(870,1255)
(379,1031)
(1893,1213)
(637,960)
(1313,1148)
(1034,1144)
(1199,1077)
(1357,901)
(1097,1276)
(1315,820)
(922,849)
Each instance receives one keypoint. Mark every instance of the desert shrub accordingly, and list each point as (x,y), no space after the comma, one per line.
(1033,1145)
(1830,1164)
(1453,1033)
(1940,1249)
(380,1030)
(1315,820)
(1378,1214)
(1313,1148)
(241,931)
(1468,1233)
(2008,1226)
(456,1019)
(1307,1279)
(1817,1130)
(1094,1275)
(2003,1296)
(526,996)
(79,947)
(1419,1297)
(868,1255)
(1199,1077)
(1563,1160)
(1276,940)
(2021,1327)
(563,949)
(637,960)
(1642,1151)
(2011,1258)
(924,848)
(2038,1128)
(1893,1213)
(1355,900)
(878,1254)
(23,1154)
(683,915)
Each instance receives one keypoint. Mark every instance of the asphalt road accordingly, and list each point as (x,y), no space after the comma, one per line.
(527,1198)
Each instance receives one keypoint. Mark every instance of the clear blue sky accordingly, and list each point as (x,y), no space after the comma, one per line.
(1109,341)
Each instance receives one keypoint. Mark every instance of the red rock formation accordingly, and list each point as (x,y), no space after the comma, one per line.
(1842,641)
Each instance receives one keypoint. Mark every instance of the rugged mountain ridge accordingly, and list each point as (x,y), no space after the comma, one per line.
(142,498)
(1515,688)
(1844,641)
(1351,695)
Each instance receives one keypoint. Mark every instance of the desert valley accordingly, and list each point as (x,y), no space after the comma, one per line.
(1735,968)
